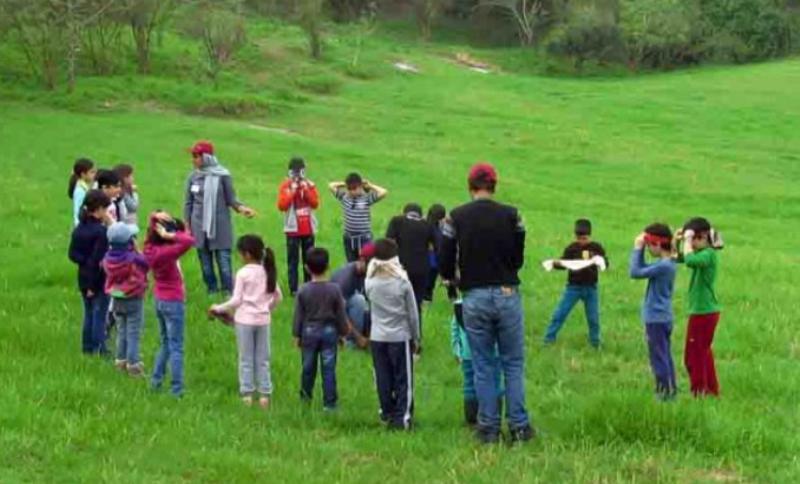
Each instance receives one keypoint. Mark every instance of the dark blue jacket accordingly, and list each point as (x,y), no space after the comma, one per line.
(88,247)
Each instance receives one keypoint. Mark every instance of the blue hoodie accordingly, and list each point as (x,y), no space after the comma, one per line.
(660,275)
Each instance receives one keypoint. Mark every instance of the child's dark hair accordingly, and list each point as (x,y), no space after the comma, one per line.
(663,231)
(81,166)
(253,246)
(698,224)
(176,225)
(412,208)
(353,180)
(583,226)
(385,249)
(95,199)
(123,171)
(317,260)
(436,213)
(107,178)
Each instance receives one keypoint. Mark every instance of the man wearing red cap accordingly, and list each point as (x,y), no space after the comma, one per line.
(485,242)
(209,196)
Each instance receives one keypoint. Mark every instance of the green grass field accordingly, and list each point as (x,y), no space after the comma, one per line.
(719,142)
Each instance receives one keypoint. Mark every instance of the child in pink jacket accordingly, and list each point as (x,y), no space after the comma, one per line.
(255,296)
(167,240)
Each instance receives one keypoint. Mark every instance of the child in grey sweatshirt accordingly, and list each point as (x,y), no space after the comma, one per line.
(394,336)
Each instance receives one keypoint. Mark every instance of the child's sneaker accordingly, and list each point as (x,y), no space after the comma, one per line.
(522,434)
(121,365)
(136,370)
(263,402)
(247,400)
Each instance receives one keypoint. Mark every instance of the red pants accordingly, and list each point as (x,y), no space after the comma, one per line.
(698,357)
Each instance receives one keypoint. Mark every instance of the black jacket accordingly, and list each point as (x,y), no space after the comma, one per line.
(486,241)
(414,237)
(87,248)
(575,251)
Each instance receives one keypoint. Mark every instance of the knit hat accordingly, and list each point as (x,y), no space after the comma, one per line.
(202,148)
(120,234)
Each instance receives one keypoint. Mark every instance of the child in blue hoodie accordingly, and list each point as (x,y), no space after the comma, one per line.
(657,307)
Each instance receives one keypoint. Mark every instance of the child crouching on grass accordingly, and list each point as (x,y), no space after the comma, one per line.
(463,354)
(657,307)
(126,283)
(255,296)
(167,240)
(699,253)
(394,336)
(320,324)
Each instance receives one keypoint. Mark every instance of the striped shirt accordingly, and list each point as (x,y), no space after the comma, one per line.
(357,217)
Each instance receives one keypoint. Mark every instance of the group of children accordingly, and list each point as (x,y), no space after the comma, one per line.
(392,276)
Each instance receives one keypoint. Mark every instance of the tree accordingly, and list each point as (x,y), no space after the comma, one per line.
(529,16)
(144,18)
(310,17)
(221,29)
(426,12)
(39,30)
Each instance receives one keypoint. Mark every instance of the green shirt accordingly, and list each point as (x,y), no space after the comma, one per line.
(702,298)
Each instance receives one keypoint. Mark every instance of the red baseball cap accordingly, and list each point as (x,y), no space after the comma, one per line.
(483,171)
(367,251)
(202,148)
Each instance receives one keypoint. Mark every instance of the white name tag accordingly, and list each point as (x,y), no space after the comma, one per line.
(195,188)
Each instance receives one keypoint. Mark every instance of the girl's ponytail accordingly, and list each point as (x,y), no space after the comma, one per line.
(270,269)
(73,180)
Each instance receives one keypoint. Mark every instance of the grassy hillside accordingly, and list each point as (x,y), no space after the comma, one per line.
(624,152)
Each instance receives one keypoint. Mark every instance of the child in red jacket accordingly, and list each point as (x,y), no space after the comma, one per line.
(298,198)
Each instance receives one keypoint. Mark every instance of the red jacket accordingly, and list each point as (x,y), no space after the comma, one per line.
(163,261)
(299,202)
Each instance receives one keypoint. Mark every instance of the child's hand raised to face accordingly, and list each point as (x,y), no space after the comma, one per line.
(638,243)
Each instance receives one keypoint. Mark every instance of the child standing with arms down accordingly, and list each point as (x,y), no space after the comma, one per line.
(87,248)
(319,323)
(394,336)
(581,285)
(126,283)
(699,253)
(255,296)
(167,241)
(657,308)
(83,173)
(356,196)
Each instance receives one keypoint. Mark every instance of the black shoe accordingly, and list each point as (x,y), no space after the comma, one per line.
(471,412)
(521,434)
(486,436)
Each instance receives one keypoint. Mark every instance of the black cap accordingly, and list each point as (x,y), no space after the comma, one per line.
(583,227)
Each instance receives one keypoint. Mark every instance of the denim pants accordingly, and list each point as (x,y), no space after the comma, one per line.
(171,317)
(95,312)
(494,323)
(353,245)
(358,311)
(296,250)
(468,370)
(254,358)
(573,294)
(223,258)
(319,346)
(660,350)
(129,315)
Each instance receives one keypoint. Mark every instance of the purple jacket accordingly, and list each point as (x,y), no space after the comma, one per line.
(126,273)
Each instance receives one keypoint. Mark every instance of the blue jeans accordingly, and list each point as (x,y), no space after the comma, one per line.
(660,349)
(494,323)
(468,370)
(223,258)
(95,312)
(353,245)
(356,308)
(171,316)
(573,294)
(129,315)
(319,345)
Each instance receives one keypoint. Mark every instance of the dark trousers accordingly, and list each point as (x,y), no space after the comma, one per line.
(433,274)
(296,249)
(660,349)
(353,243)
(394,379)
(95,312)
(419,283)
(698,357)
(319,347)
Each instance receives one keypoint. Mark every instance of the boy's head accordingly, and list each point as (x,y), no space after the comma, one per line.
(658,238)
(583,231)
(109,183)
(482,178)
(120,235)
(317,260)
(297,168)
(702,232)
(198,150)
(354,184)
(364,256)
(414,208)
(95,205)
(385,249)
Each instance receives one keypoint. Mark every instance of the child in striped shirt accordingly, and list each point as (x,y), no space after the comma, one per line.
(356,196)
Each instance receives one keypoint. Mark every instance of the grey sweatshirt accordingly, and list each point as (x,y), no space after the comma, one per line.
(393,310)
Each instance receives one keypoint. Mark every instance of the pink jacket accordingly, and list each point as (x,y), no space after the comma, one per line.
(250,299)
(163,261)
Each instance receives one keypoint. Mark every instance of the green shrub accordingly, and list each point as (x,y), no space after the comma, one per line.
(588,33)
(227,105)
(660,33)
(319,83)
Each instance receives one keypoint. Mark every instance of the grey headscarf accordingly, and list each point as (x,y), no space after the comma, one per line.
(212,171)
